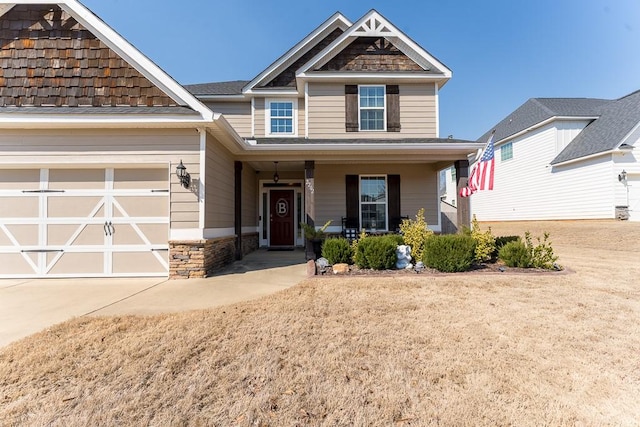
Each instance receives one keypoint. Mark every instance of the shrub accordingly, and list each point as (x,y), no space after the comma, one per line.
(485,242)
(515,254)
(542,255)
(449,253)
(415,233)
(500,242)
(337,250)
(376,252)
(354,244)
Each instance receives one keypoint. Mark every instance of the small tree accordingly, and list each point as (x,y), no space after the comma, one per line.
(415,234)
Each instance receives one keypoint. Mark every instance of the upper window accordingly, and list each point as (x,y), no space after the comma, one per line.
(373,202)
(372,107)
(506,152)
(281,117)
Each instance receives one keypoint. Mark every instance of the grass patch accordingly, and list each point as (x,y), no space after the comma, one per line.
(417,350)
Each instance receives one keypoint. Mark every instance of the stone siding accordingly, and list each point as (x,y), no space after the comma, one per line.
(193,259)
(250,243)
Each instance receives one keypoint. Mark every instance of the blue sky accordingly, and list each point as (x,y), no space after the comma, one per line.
(501,52)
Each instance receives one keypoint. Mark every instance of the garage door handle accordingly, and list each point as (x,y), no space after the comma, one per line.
(43,191)
(109,229)
(41,250)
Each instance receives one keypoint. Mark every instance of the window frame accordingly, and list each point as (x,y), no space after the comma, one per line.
(268,118)
(506,156)
(383,108)
(385,203)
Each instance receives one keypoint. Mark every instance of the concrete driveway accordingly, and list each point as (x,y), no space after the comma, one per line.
(30,305)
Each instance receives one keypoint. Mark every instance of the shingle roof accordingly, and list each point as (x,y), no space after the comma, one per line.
(217,88)
(614,119)
(537,110)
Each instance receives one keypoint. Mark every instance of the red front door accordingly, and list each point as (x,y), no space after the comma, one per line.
(282,229)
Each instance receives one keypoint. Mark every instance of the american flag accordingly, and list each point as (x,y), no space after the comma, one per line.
(481,177)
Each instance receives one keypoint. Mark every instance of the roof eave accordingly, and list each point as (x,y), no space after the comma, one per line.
(336,20)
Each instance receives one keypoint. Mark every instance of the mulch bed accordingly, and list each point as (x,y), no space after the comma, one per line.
(484,268)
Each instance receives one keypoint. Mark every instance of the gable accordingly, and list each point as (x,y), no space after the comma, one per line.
(371,54)
(47,58)
(288,77)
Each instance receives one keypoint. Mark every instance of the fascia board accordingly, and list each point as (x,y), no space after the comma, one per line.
(581,159)
(127,51)
(443,148)
(337,20)
(394,33)
(48,121)
(314,75)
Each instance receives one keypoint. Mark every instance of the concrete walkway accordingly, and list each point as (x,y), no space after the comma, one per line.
(30,305)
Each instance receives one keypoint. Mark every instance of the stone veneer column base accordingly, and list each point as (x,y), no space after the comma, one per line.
(190,259)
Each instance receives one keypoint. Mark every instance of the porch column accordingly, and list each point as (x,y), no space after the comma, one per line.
(238,209)
(309,205)
(309,192)
(463,205)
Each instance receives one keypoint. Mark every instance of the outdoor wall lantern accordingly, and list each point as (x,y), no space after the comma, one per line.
(276,177)
(622,176)
(183,175)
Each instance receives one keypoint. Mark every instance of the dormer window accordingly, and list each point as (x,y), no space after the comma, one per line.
(281,117)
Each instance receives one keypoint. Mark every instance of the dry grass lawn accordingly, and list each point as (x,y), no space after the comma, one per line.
(469,349)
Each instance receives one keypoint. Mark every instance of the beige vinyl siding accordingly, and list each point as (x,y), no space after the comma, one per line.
(100,148)
(327,113)
(238,114)
(259,118)
(249,197)
(219,189)
(301,118)
(418,111)
(418,189)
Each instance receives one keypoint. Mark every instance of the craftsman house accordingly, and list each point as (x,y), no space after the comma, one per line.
(565,158)
(109,167)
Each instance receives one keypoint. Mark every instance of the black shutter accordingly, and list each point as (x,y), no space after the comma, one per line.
(351,108)
(393,108)
(393,202)
(353,202)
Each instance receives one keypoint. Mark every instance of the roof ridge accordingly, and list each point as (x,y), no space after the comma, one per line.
(541,105)
(628,95)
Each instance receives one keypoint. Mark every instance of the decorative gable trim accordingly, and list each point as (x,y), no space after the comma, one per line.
(336,21)
(375,25)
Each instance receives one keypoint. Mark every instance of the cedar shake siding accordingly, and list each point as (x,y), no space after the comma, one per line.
(371,54)
(288,77)
(48,59)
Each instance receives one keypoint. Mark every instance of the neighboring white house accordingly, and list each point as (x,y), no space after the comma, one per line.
(565,158)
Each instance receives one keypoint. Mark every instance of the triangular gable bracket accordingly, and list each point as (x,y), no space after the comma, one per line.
(4,8)
(375,25)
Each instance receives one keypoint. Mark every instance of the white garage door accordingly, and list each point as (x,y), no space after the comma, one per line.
(634,197)
(84,222)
